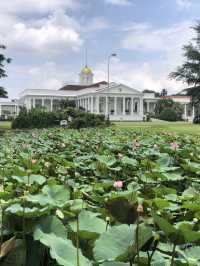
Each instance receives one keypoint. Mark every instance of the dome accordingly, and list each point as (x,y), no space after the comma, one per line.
(86,70)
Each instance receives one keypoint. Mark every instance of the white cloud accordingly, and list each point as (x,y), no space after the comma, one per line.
(184,3)
(163,45)
(139,76)
(35,6)
(50,36)
(148,39)
(119,2)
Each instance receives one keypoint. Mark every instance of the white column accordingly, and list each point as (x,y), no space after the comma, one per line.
(42,102)
(115,105)
(132,105)
(106,105)
(124,106)
(185,111)
(141,108)
(0,109)
(97,103)
(92,104)
(193,112)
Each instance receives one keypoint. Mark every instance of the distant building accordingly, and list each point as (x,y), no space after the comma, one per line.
(8,109)
(119,101)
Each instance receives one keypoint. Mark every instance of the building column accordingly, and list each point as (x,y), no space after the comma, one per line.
(132,105)
(92,104)
(97,104)
(193,112)
(124,109)
(185,111)
(141,107)
(106,105)
(42,102)
(115,105)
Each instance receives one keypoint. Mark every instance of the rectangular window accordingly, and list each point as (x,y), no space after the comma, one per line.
(38,103)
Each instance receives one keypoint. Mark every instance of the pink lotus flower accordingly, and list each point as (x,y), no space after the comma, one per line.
(174,145)
(34,161)
(118,184)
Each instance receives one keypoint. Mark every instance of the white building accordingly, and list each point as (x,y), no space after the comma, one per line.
(8,109)
(119,101)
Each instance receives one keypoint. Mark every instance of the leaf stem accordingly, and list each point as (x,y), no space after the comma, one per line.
(173,254)
(137,240)
(77,241)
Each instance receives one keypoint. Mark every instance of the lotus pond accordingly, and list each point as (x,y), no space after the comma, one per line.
(101,197)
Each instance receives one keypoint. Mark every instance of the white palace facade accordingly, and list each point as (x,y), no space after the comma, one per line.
(119,101)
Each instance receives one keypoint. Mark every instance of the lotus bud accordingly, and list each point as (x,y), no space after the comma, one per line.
(62,145)
(47,164)
(120,156)
(60,214)
(195,220)
(33,161)
(107,219)
(140,208)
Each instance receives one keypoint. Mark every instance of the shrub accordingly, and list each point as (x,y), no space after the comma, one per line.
(169,115)
(39,118)
(168,104)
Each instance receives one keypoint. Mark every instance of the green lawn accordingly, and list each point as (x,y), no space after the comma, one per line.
(5,125)
(178,127)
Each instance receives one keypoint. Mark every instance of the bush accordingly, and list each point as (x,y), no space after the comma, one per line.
(39,118)
(196,120)
(169,115)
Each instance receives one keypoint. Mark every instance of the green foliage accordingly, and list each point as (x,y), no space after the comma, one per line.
(189,72)
(167,109)
(59,199)
(3,93)
(3,60)
(39,118)
(169,115)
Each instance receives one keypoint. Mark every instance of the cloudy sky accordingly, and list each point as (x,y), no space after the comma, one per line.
(47,38)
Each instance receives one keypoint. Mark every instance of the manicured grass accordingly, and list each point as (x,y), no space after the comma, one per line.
(177,127)
(5,125)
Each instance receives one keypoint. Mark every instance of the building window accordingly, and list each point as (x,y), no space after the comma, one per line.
(102,105)
(38,103)
(127,106)
(47,104)
(119,105)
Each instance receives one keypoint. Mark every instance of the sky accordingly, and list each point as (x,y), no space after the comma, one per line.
(46,40)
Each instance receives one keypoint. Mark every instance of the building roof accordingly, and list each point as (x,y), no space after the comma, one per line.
(44,92)
(77,87)
(6,101)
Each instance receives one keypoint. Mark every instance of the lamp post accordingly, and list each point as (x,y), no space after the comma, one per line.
(109,58)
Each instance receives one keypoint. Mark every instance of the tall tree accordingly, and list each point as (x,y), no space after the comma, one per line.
(189,72)
(3,93)
(3,60)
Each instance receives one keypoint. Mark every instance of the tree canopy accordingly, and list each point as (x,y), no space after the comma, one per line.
(3,61)
(189,72)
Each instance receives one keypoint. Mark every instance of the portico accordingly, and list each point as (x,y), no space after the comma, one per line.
(118,101)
